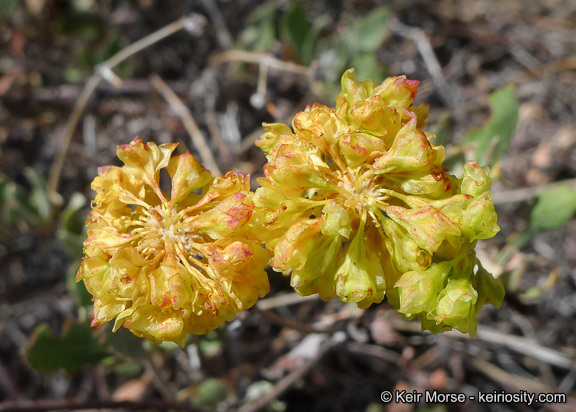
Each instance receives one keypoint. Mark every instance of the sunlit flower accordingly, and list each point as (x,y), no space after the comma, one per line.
(167,264)
(357,204)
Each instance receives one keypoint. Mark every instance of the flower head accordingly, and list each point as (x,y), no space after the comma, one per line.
(167,264)
(357,204)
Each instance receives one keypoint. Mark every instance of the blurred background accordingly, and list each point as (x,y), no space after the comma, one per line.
(78,77)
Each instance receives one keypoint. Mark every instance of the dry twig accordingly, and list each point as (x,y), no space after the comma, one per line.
(519,344)
(430,60)
(526,347)
(527,193)
(188,122)
(284,300)
(506,379)
(262,59)
(293,377)
(292,324)
(223,35)
(104,71)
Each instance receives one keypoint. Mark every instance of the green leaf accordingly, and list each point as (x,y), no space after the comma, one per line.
(493,139)
(39,198)
(210,393)
(264,13)
(295,27)
(72,230)
(125,343)
(259,389)
(6,8)
(553,209)
(441,129)
(309,47)
(84,298)
(260,33)
(210,344)
(455,163)
(77,347)
(375,407)
(367,66)
(15,204)
(332,61)
(490,290)
(81,6)
(70,219)
(367,34)
(73,75)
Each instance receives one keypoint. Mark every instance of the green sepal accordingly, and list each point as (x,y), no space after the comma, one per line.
(419,290)
(426,226)
(457,305)
(360,277)
(490,290)
(317,275)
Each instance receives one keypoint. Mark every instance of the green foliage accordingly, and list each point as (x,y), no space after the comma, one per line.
(260,32)
(125,343)
(368,66)
(553,209)
(21,205)
(210,393)
(80,24)
(76,347)
(72,231)
(73,75)
(355,46)
(434,408)
(84,299)
(39,199)
(82,345)
(295,27)
(32,206)
(210,344)
(368,33)
(6,8)
(441,129)
(257,390)
(299,33)
(100,41)
(493,139)
(375,407)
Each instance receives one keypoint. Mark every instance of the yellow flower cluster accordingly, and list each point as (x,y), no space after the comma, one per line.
(167,264)
(356,203)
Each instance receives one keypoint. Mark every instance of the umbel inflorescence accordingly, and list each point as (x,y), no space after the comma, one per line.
(167,264)
(355,203)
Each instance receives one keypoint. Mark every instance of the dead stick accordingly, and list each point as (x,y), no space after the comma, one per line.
(189,124)
(262,59)
(104,70)
(527,193)
(427,52)
(293,377)
(292,324)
